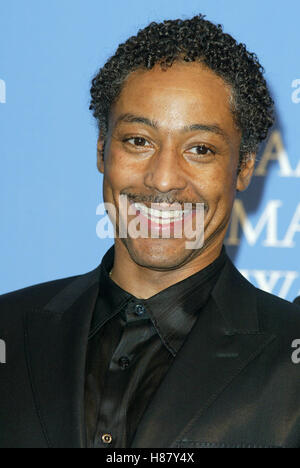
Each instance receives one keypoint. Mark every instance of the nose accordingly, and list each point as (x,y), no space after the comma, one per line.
(164,173)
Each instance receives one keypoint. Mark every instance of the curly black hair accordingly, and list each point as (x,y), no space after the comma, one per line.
(191,40)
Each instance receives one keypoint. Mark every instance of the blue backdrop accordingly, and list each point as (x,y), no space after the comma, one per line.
(49,184)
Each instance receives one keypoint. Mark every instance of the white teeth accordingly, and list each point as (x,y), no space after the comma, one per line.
(161,216)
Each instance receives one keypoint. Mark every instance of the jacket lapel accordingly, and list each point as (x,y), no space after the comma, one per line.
(55,344)
(224,340)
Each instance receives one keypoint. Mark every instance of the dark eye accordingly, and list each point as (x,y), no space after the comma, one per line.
(201,150)
(137,141)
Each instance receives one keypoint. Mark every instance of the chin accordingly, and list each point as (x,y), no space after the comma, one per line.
(158,253)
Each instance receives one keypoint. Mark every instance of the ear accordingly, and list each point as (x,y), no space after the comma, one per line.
(246,172)
(100,153)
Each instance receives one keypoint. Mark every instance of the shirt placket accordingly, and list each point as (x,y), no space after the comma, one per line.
(137,328)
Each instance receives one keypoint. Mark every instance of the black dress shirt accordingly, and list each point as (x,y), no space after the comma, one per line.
(132,343)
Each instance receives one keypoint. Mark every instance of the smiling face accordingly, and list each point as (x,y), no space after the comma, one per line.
(172,138)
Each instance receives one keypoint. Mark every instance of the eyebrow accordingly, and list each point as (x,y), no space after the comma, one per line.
(131,118)
(213,128)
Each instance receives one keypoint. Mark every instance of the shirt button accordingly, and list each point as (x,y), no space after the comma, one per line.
(139,309)
(124,362)
(107,438)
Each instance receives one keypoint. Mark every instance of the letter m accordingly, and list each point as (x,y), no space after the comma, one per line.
(268,220)
(2,352)
(2,92)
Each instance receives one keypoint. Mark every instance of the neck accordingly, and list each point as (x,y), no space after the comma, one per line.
(143,282)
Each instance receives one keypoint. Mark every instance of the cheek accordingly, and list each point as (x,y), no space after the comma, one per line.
(217,184)
(120,170)
(225,192)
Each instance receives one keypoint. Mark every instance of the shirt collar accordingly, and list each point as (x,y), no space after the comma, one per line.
(172,311)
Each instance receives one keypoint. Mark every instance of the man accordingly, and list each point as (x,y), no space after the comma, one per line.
(162,345)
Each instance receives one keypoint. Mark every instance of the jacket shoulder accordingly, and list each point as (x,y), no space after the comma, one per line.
(252,307)
(35,296)
(278,314)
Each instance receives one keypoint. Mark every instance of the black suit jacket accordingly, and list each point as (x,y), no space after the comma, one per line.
(233,383)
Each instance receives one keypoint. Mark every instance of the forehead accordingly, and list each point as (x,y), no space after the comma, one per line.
(183,93)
